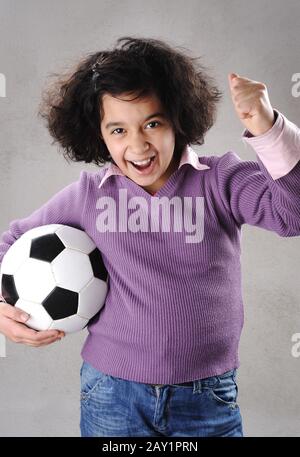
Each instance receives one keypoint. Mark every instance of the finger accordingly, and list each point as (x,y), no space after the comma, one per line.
(240,83)
(244,97)
(21,332)
(248,89)
(13,329)
(13,312)
(45,340)
(41,343)
(44,334)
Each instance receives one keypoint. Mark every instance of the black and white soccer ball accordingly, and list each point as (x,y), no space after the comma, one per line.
(56,274)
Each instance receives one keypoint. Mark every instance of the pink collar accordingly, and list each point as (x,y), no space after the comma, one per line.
(188,156)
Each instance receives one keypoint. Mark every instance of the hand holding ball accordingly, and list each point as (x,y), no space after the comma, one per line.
(56,274)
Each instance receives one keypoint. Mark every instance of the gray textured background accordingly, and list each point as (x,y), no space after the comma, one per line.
(39,394)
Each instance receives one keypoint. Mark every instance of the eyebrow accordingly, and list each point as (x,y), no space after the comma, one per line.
(113,124)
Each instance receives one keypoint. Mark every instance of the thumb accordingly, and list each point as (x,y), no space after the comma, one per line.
(231,77)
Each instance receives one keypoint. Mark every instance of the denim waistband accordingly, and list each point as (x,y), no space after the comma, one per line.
(205,382)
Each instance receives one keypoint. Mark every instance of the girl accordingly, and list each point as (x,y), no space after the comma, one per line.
(161,357)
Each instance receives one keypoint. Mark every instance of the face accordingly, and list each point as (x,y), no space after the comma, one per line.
(135,131)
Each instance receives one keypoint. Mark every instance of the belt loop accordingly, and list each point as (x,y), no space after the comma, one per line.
(199,386)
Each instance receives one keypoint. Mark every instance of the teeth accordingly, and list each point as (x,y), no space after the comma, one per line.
(142,162)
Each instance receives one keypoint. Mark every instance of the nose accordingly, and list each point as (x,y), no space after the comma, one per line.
(137,143)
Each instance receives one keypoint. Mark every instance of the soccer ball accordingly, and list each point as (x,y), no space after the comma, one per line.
(56,274)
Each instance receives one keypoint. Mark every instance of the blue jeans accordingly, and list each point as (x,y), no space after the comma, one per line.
(112,406)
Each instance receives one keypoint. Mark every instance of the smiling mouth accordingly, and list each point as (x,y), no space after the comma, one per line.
(145,166)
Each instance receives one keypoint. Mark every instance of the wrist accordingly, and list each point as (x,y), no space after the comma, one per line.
(265,125)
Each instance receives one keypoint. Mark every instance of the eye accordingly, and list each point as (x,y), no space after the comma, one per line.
(119,128)
(154,122)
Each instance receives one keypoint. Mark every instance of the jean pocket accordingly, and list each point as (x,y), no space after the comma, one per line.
(90,379)
(225,390)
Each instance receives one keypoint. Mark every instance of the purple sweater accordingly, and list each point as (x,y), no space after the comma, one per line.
(174,309)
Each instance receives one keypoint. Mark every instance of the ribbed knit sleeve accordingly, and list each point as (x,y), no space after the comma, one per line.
(265,193)
(65,207)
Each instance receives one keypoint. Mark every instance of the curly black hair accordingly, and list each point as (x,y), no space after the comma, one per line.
(72,106)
